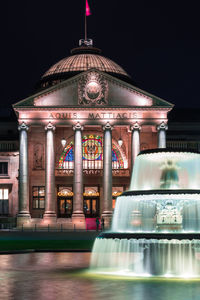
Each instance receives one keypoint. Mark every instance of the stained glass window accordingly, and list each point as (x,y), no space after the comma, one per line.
(66,160)
(92,154)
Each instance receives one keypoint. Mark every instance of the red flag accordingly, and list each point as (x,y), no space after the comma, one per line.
(87,9)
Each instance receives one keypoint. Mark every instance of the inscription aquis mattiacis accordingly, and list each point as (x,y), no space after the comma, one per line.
(93,116)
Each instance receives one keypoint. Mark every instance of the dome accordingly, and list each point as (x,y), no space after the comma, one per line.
(84,62)
(82,59)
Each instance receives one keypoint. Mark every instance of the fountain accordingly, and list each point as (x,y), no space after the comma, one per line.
(156,224)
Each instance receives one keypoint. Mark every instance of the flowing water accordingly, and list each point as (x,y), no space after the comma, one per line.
(166,170)
(162,206)
(147,257)
(157,212)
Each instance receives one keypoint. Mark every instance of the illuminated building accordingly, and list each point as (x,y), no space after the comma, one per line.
(79,135)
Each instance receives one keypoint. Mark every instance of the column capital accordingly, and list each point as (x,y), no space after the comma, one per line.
(23,126)
(50,126)
(107,126)
(77,126)
(162,126)
(135,126)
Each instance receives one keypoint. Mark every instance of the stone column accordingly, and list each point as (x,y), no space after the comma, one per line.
(23,214)
(78,216)
(50,196)
(162,135)
(135,142)
(107,174)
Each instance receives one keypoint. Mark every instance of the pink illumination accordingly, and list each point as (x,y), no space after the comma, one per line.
(87,9)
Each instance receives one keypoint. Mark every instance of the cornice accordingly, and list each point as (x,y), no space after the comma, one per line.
(54,108)
(9,153)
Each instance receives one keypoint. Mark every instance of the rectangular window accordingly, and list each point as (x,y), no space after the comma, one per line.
(3,168)
(3,194)
(4,201)
(38,197)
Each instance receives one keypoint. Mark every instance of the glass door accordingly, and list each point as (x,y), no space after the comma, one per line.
(64,207)
(91,207)
(65,201)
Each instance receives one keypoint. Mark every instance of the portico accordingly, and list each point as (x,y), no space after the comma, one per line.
(91,111)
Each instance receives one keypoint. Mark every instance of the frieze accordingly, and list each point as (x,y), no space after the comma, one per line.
(93,116)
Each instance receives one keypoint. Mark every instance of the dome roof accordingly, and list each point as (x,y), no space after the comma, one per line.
(84,62)
(82,59)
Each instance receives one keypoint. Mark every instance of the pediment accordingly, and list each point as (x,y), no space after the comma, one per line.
(93,88)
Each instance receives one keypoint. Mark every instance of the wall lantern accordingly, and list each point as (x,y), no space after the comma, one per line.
(120,142)
(63,142)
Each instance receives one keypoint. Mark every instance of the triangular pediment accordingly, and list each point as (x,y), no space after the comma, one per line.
(93,88)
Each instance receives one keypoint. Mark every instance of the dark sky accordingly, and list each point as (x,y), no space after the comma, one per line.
(156,42)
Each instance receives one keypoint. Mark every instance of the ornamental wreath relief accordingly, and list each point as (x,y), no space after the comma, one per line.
(92,90)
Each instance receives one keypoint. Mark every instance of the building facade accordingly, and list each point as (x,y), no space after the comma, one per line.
(9,170)
(78,138)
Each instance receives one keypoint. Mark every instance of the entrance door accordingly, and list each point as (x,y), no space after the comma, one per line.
(64,207)
(91,207)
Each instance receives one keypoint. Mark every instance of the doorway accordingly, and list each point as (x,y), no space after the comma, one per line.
(91,207)
(64,207)
(91,201)
(65,201)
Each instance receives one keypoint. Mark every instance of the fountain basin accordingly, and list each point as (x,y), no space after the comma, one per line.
(166,169)
(157,211)
(156,225)
(132,255)
(148,236)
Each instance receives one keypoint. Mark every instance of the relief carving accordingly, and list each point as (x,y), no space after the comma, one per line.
(38,156)
(93,90)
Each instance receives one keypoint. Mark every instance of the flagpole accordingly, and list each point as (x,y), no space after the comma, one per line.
(85,23)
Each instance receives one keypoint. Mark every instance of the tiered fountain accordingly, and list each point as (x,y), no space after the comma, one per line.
(156,225)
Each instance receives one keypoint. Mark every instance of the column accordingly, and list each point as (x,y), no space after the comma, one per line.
(135,142)
(23,214)
(50,196)
(162,135)
(107,174)
(78,215)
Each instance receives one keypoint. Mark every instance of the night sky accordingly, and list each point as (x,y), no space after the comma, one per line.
(156,42)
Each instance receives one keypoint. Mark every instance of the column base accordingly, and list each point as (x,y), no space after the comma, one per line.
(49,214)
(49,218)
(107,215)
(78,220)
(23,218)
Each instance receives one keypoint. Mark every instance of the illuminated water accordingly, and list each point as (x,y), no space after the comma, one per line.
(157,212)
(153,171)
(147,257)
(62,276)
(164,198)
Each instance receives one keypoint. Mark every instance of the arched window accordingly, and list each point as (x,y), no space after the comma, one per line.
(92,154)
(66,160)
